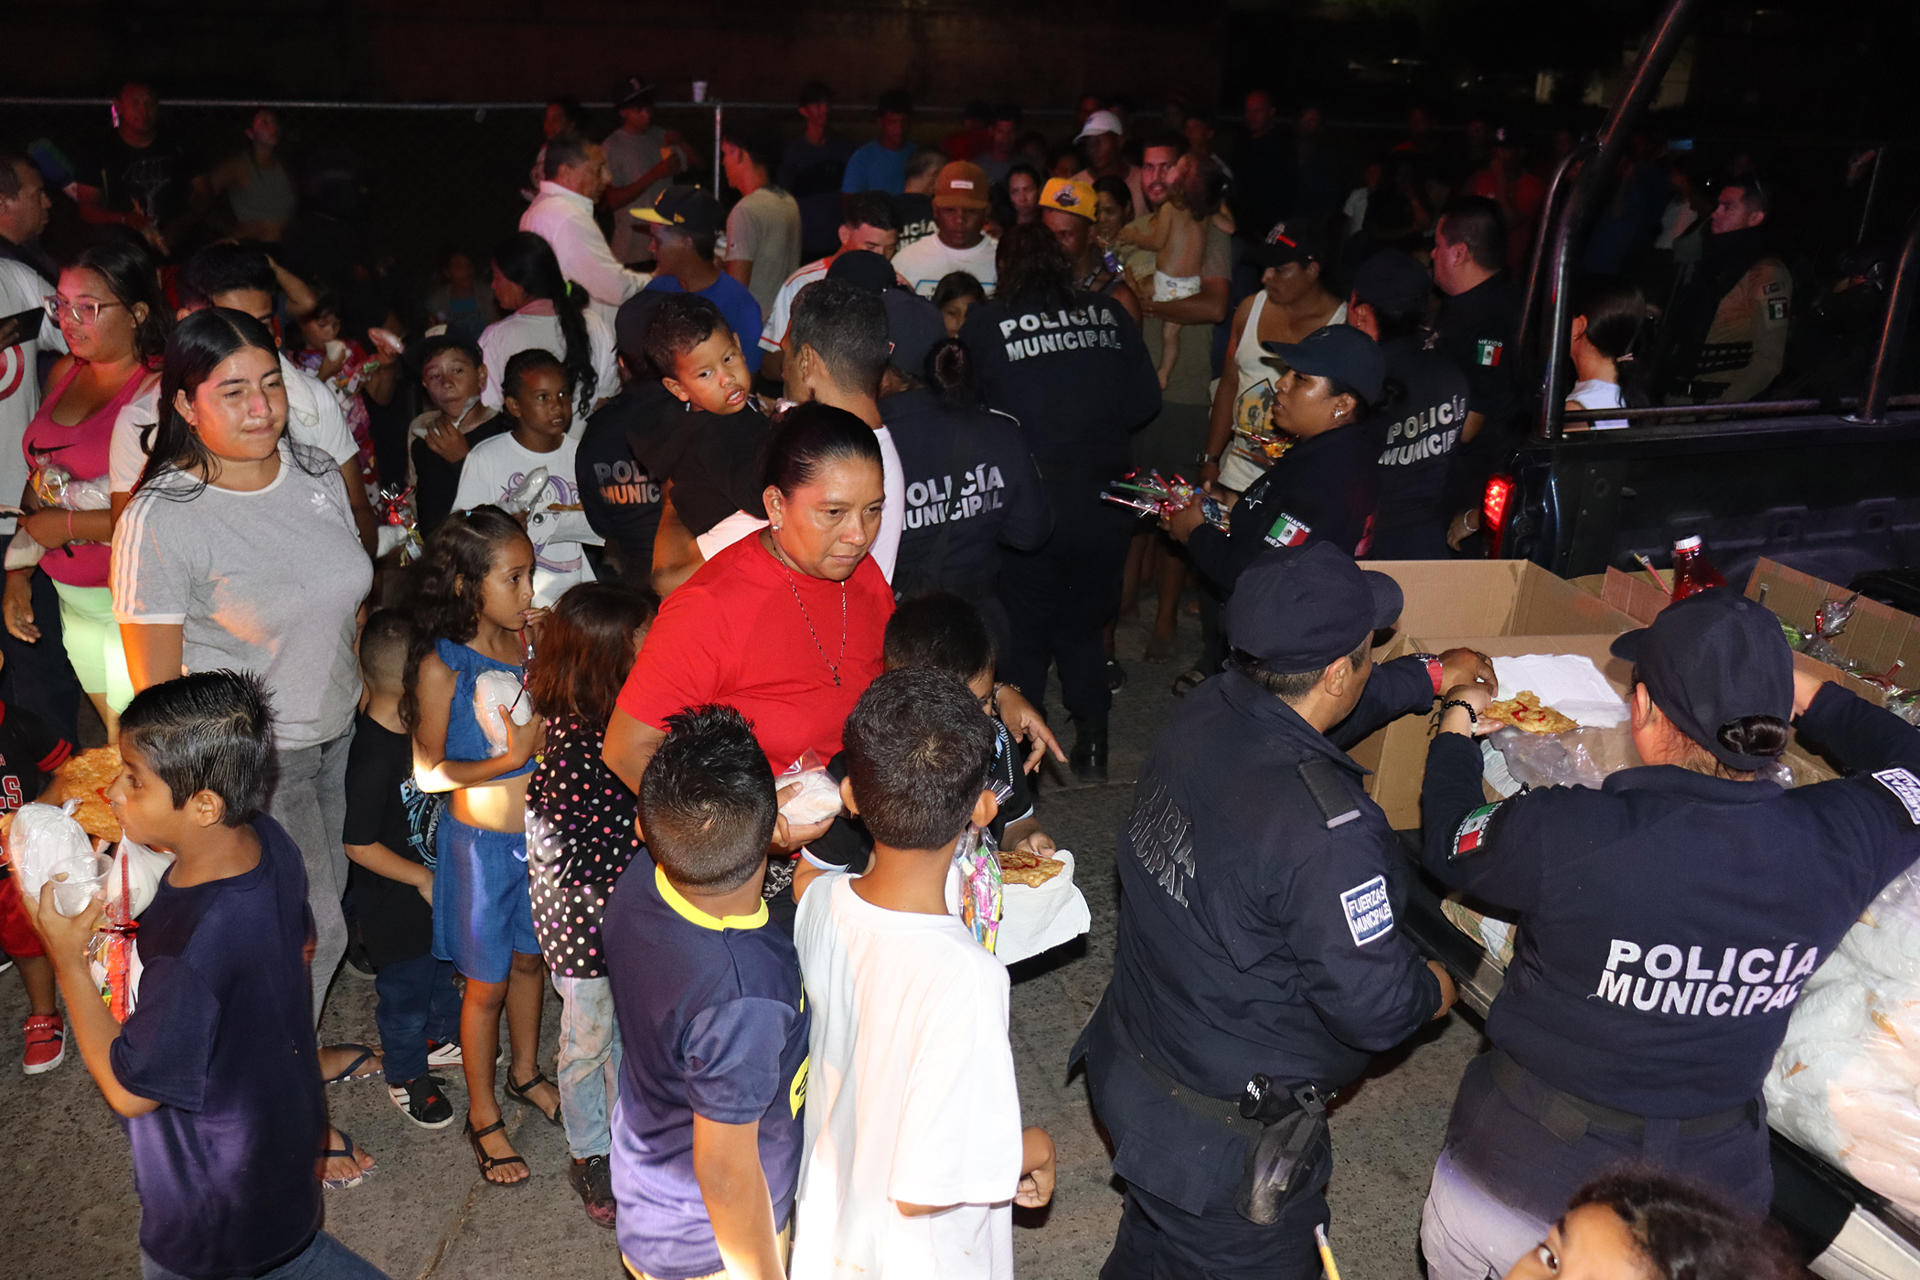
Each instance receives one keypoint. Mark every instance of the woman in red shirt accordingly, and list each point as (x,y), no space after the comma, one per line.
(111,313)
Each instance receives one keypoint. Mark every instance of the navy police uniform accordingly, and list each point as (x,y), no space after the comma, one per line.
(1079,380)
(1256,934)
(1668,924)
(1417,434)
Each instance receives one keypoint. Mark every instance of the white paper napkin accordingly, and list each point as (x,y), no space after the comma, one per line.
(1567,682)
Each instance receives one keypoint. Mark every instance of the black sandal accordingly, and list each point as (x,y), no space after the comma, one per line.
(518,1092)
(489,1163)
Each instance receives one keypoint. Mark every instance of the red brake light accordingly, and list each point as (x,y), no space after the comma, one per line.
(1493,510)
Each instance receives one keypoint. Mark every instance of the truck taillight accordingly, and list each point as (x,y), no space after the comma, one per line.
(1493,510)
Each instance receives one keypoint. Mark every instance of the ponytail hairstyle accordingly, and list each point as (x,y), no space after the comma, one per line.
(133,278)
(811,435)
(949,372)
(1616,313)
(197,346)
(528,261)
(447,586)
(586,649)
(1763,737)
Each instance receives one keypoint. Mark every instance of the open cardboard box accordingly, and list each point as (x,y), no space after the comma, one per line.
(1495,597)
(1876,636)
(1397,754)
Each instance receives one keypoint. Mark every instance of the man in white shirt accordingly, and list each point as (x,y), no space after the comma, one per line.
(24,207)
(868,224)
(959,244)
(763,228)
(562,215)
(836,351)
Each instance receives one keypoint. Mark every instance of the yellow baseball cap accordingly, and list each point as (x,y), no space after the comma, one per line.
(1068,196)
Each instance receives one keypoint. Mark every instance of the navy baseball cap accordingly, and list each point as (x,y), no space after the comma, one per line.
(863,270)
(1340,352)
(1710,660)
(1296,609)
(687,209)
(630,325)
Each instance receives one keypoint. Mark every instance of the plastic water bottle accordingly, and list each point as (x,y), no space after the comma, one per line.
(1692,571)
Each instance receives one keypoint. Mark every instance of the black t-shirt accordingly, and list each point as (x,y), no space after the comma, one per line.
(29,753)
(1324,489)
(811,175)
(971,488)
(1265,179)
(385,807)
(620,500)
(156,179)
(914,212)
(436,480)
(1077,378)
(715,461)
(1476,331)
(1418,432)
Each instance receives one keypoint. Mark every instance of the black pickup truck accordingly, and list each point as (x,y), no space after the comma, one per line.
(1830,486)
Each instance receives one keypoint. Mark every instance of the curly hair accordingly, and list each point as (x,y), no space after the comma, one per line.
(1687,1233)
(447,585)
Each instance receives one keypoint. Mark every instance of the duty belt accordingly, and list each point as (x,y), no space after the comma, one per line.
(1219,1110)
(1568,1116)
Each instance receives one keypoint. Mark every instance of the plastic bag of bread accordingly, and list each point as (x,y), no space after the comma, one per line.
(818,797)
(40,839)
(494,692)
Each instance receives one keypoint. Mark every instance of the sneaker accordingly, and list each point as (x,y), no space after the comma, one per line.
(444,1053)
(46,1042)
(357,963)
(6,962)
(592,1179)
(423,1102)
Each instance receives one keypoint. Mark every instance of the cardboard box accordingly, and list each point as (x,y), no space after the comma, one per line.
(1495,598)
(1634,593)
(1876,636)
(1397,754)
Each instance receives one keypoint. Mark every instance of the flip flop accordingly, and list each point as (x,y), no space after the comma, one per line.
(348,1072)
(518,1092)
(346,1150)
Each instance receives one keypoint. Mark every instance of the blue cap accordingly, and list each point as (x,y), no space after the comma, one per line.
(1711,660)
(1296,609)
(1340,352)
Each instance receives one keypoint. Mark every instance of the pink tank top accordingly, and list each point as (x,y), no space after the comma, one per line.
(81,450)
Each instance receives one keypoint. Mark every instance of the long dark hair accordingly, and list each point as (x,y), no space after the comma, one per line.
(586,649)
(528,261)
(198,345)
(1685,1232)
(811,435)
(132,277)
(1034,270)
(447,586)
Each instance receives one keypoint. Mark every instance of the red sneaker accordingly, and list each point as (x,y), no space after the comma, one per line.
(46,1042)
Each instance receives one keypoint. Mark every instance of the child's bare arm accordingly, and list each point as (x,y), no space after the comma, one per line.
(93,1027)
(432,771)
(383,861)
(1036,1168)
(726,1163)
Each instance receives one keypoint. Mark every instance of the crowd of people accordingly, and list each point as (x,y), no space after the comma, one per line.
(654,612)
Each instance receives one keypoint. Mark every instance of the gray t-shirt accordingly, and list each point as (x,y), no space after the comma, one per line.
(628,156)
(266,582)
(764,229)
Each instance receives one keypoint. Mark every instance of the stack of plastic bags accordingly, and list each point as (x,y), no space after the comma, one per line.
(1846,1082)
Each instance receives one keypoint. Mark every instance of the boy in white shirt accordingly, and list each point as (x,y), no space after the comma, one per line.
(914,1151)
(539,397)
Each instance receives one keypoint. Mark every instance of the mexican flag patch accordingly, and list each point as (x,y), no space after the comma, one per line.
(1487,352)
(1288,531)
(1473,831)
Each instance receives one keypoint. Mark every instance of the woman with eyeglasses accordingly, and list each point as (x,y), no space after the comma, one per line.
(114,320)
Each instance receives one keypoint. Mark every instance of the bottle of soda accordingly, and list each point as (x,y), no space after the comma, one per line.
(1692,571)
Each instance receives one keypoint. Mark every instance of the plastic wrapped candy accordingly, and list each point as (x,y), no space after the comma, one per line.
(400,525)
(818,797)
(493,692)
(112,957)
(976,882)
(1155,495)
(54,486)
(525,495)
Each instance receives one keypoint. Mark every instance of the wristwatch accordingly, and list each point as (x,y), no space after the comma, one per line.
(1434,671)
(1204,459)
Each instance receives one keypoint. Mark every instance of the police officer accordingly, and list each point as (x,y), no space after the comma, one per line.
(1425,419)
(1257,922)
(619,498)
(1727,328)
(1324,488)
(1668,923)
(1071,367)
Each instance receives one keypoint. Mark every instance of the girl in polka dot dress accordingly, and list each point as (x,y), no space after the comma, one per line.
(580,837)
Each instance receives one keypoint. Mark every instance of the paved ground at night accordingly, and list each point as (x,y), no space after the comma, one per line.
(70,1211)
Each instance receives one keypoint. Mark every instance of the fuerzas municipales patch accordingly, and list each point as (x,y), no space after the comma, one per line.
(1905,788)
(1473,832)
(1289,531)
(1369,913)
